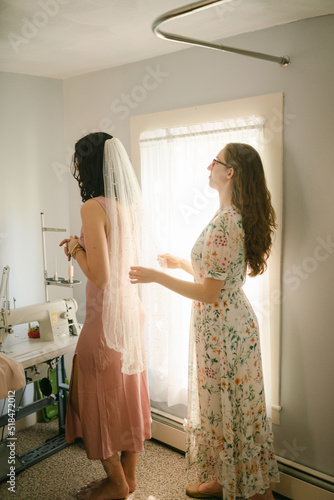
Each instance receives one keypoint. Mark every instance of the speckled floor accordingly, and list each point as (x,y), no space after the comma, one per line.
(161,473)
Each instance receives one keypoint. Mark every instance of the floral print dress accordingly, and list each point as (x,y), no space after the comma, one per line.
(228,432)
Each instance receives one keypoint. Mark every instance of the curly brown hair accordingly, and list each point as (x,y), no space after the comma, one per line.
(87,164)
(252,198)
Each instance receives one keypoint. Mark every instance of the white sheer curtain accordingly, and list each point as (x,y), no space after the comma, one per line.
(174,179)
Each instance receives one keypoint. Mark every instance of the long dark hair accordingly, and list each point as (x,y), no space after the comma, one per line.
(87,164)
(252,198)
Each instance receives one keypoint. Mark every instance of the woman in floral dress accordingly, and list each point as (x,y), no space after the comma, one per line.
(228,432)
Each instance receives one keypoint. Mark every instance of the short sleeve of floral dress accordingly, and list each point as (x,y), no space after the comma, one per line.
(228,432)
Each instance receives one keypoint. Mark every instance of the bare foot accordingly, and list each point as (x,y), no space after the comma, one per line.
(104,490)
(131,484)
(93,484)
(214,487)
(130,480)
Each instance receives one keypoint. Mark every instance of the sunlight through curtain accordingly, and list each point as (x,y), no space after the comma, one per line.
(174,179)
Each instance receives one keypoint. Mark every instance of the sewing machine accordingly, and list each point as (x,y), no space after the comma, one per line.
(57,321)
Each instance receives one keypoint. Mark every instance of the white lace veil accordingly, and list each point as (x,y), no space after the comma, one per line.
(128,243)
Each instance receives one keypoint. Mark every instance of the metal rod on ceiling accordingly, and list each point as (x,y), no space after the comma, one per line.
(196,7)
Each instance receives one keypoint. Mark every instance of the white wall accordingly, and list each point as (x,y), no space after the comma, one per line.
(31,182)
(104,101)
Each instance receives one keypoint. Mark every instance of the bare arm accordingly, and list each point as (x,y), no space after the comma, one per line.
(173,262)
(187,266)
(208,291)
(94,261)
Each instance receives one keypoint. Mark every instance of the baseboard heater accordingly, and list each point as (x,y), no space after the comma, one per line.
(297,481)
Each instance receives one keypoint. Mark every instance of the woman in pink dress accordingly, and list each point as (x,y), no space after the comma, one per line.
(109,405)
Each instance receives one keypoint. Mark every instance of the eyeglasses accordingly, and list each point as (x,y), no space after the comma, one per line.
(221,162)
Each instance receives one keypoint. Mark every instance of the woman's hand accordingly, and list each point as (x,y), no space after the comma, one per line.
(169,261)
(140,274)
(69,245)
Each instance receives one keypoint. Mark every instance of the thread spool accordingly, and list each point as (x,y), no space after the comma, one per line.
(70,273)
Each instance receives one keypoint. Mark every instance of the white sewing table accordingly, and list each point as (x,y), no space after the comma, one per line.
(32,352)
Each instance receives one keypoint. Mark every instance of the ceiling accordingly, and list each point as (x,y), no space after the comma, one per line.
(64,38)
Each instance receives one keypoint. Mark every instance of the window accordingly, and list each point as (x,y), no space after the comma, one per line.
(170,153)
